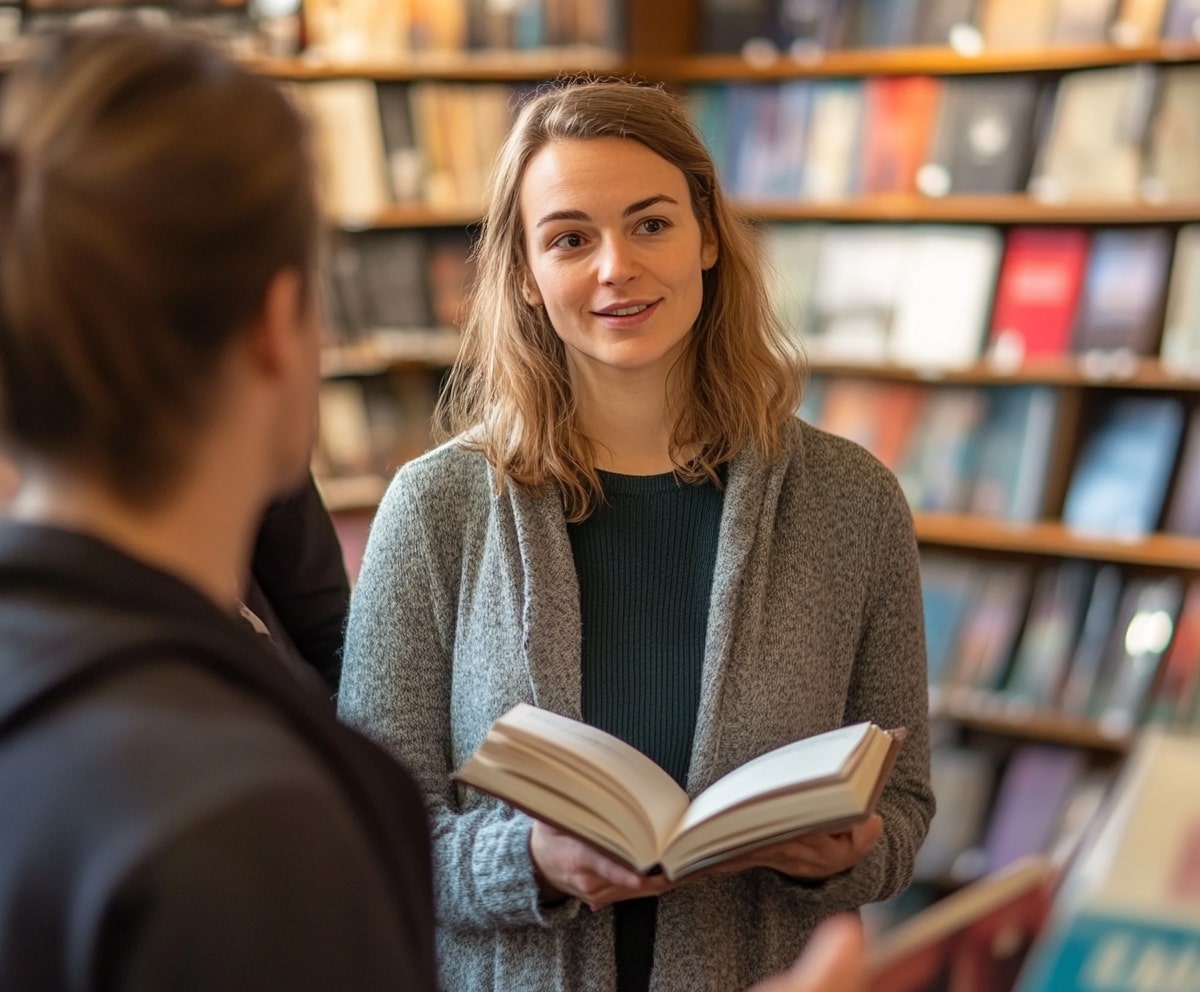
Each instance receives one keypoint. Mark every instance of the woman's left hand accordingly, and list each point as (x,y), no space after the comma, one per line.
(813,856)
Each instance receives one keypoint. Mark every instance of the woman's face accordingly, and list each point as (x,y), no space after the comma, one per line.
(615,254)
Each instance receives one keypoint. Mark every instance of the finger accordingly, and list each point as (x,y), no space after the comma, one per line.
(866,835)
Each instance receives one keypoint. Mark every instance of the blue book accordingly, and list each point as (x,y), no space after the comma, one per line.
(1120,480)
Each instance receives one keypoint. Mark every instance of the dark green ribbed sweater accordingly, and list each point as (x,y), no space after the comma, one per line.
(645,565)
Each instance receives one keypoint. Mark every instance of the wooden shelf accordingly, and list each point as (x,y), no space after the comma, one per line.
(1097,372)
(1056,540)
(499,66)
(905,61)
(882,208)
(993,716)
(390,349)
(1000,209)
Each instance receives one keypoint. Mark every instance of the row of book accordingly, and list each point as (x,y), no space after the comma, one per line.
(387,31)
(1120,133)
(944,297)
(378,281)
(1077,639)
(802,26)
(995,452)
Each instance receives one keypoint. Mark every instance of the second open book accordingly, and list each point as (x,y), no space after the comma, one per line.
(597,787)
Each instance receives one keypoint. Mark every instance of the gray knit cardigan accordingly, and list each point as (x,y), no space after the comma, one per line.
(468,603)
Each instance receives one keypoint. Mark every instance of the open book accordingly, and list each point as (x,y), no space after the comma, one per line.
(595,786)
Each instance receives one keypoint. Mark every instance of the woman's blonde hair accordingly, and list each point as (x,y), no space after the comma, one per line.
(509,396)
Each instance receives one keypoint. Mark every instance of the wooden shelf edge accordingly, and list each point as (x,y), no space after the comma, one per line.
(991,714)
(485,66)
(1054,539)
(1007,208)
(935,61)
(1067,370)
(387,349)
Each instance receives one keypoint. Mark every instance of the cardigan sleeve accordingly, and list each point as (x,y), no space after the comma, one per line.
(889,686)
(397,688)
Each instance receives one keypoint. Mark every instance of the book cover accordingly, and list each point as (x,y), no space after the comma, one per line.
(1181,322)
(938,19)
(1034,790)
(938,470)
(806,26)
(1126,917)
(405,165)
(1093,150)
(1173,153)
(1082,22)
(945,296)
(393,278)
(899,113)
(882,24)
(1149,626)
(791,251)
(1037,292)
(1015,24)
(597,787)
(855,288)
(974,940)
(1137,22)
(963,780)
(1179,683)
(983,142)
(834,136)
(1015,448)
(1183,512)
(948,589)
(1120,307)
(1060,597)
(1119,483)
(771,150)
(989,632)
(1182,21)
(1087,660)
(727,25)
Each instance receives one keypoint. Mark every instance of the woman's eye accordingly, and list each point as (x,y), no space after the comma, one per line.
(567,241)
(653,225)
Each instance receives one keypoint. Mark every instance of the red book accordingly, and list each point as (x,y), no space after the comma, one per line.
(975,940)
(1037,293)
(900,113)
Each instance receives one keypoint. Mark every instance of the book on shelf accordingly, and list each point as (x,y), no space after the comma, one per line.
(1008,25)
(1182,21)
(976,939)
(941,21)
(939,466)
(1015,452)
(983,142)
(1081,22)
(1177,693)
(1034,791)
(1181,323)
(949,586)
(1043,653)
(881,24)
(899,113)
(1137,22)
(1093,148)
(727,26)
(1173,153)
(963,780)
(1119,483)
(831,171)
(1183,511)
(1037,292)
(593,785)
(1087,659)
(1120,307)
(989,632)
(1126,916)
(945,297)
(791,251)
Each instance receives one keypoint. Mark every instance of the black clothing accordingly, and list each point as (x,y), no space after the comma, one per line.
(178,811)
(298,584)
(645,563)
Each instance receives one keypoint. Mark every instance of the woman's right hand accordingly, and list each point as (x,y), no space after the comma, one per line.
(567,867)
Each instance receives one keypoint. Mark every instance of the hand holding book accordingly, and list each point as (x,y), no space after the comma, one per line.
(590,784)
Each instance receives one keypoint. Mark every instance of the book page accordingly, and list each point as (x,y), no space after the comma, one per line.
(599,756)
(810,762)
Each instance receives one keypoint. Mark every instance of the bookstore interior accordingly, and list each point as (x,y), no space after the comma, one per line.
(982,219)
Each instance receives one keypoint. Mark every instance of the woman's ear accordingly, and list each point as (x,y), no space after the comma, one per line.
(708,249)
(529,290)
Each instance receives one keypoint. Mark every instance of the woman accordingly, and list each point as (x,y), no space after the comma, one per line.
(630,526)
(178,810)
